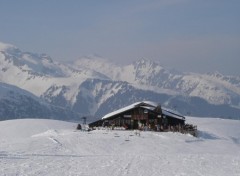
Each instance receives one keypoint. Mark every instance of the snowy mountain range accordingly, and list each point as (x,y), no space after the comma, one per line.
(93,86)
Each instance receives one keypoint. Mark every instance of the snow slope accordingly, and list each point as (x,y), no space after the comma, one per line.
(48,147)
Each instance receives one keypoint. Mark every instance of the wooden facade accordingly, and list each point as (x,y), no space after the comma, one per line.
(139,116)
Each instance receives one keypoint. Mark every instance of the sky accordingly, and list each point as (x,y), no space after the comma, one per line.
(186,35)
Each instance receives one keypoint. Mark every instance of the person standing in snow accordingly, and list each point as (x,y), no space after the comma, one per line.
(79,127)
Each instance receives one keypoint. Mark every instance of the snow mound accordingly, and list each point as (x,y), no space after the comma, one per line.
(29,127)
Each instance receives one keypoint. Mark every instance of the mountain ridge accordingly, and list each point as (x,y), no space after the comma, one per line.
(93,86)
(149,73)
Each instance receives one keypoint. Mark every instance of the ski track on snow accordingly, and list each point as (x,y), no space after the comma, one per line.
(61,150)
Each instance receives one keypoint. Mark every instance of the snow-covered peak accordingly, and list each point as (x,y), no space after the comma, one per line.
(94,62)
(34,64)
(146,67)
(90,59)
(5,46)
(215,74)
(100,65)
(145,62)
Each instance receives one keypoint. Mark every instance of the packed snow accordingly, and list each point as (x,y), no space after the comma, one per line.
(50,147)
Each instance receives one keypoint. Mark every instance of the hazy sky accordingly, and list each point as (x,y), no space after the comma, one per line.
(188,35)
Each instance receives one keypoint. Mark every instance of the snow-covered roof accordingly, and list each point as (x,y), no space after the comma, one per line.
(149,108)
(172,113)
(146,105)
(153,104)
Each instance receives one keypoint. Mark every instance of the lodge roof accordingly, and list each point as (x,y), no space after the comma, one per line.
(172,113)
(146,105)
